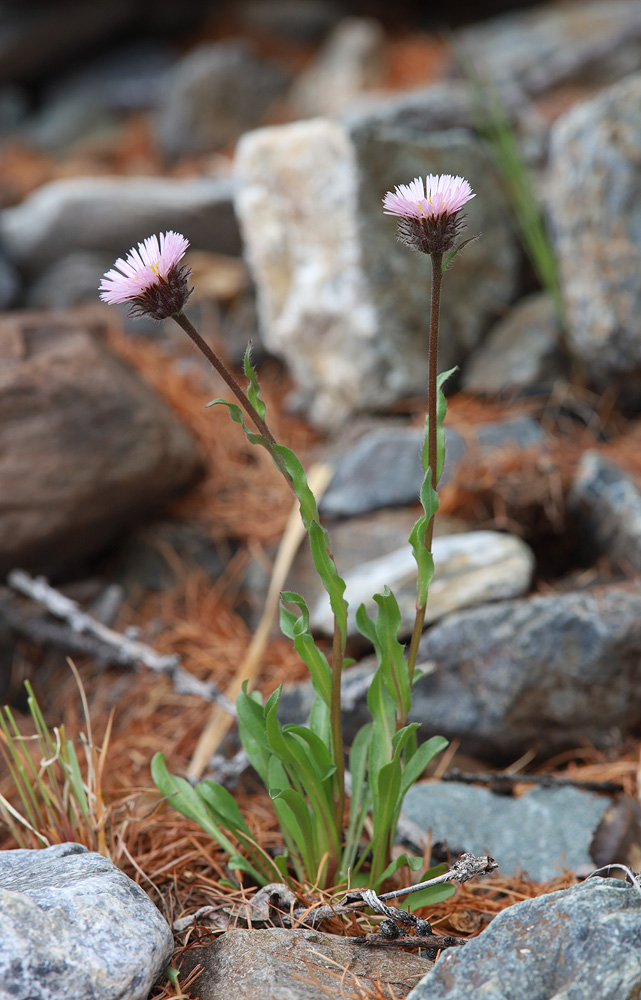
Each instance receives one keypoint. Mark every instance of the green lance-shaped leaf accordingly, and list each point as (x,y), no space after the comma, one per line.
(392,662)
(305,758)
(309,767)
(295,822)
(252,728)
(402,741)
(441,409)
(296,473)
(326,569)
(296,628)
(189,803)
(413,863)
(360,794)
(450,257)
(318,536)
(420,759)
(423,557)
(385,808)
(223,806)
(184,798)
(381,709)
(253,388)
(320,720)
(367,627)
(237,416)
(225,809)
(432,894)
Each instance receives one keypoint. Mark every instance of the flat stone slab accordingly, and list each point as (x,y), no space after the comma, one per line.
(542,832)
(113,213)
(279,964)
(470,568)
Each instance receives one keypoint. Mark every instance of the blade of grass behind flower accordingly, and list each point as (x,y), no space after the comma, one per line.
(500,140)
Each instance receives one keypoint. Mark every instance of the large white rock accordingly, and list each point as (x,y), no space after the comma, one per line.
(339,299)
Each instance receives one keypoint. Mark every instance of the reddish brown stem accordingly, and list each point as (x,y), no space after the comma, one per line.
(432,400)
(225,374)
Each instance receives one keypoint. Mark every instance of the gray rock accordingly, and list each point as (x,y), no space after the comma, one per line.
(570,945)
(450,104)
(595,214)
(73,925)
(113,447)
(72,279)
(384,467)
(339,299)
(296,965)
(608,505)
(470,568)
(443,105)
(92,98)
(502,435)
(542,673)
(542,832)
(75,118)
(102,214)
(595,42)
(350,62)
(125,79)
(213,95)
(522,351)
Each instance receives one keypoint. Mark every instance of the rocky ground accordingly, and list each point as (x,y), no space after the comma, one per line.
(154,514)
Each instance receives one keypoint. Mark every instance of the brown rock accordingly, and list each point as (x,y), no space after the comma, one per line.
(85,445)
(300,964)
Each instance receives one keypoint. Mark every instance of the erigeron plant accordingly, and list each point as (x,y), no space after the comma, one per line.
(303,767)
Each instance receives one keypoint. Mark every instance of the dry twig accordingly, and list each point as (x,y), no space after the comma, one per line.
(122,649)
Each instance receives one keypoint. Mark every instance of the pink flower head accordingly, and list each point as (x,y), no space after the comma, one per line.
(428,212)
(150,277)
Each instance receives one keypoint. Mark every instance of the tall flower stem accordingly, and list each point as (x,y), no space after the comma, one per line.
(432,400)
(225,374)
(338,645)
